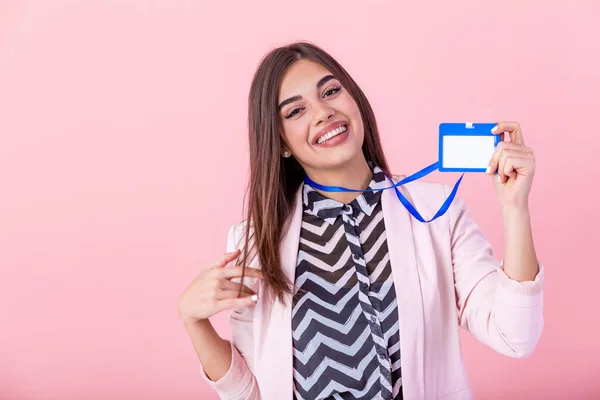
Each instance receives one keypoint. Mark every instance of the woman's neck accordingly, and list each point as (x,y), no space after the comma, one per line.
(354,175)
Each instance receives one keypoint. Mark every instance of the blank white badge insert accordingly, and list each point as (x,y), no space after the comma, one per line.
(467,151)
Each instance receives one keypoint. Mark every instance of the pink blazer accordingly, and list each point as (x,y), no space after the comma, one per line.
(445,276)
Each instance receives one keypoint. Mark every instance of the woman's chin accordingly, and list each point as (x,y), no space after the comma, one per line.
(342,159)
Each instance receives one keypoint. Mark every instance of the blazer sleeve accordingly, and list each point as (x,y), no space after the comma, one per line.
(239,383)
(505,314)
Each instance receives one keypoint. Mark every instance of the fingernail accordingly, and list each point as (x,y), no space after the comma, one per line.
(499,179)
(489,168)
(255,298)
(494,129)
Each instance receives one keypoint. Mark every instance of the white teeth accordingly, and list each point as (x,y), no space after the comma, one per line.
(331,134)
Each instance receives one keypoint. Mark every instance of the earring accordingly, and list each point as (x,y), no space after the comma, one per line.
(286,154)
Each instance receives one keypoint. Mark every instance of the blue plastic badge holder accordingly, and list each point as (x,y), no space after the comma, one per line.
(466,147)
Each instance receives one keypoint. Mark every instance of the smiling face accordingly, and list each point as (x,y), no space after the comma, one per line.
(322,124)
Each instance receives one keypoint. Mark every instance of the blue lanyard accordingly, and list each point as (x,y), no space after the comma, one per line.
(425,171)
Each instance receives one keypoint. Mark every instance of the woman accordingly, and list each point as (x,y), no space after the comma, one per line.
(344,294)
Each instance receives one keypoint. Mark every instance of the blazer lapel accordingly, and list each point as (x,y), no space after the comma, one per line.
(277,348)
(398,225)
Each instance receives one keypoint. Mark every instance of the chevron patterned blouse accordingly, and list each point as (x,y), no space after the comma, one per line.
(346,341)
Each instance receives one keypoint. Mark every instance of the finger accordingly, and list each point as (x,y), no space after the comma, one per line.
(500,169)
(502,147)
(237,302)
(226,284)
(512,128)
(509,168)
(232,294)
(505,170)
(513,165)
(236,272)
(224,289)
(225,259)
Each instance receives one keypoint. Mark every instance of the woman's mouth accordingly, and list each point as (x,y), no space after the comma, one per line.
(335,135)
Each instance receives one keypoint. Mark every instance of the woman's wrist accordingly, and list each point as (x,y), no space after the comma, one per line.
(196,323)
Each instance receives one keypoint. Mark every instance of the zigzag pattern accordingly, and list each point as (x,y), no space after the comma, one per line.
(345,331)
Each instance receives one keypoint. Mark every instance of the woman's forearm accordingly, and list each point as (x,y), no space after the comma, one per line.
(520,260)
(213,352)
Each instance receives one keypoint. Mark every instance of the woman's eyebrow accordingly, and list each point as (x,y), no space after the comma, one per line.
(292,99)
(324,80)
(288,101)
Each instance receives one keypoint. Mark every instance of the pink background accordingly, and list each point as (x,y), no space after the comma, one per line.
(123,162)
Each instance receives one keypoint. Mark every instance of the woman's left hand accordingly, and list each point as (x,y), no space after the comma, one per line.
(515,164)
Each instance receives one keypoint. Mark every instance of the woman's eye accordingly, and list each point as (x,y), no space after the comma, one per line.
(331,91)
(292,113)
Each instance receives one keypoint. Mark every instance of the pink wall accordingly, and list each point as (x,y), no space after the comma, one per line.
(123,162)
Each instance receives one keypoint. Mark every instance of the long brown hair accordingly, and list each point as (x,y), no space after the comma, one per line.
(274,180)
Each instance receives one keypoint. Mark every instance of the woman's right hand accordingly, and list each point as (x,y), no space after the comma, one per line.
(213,291)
